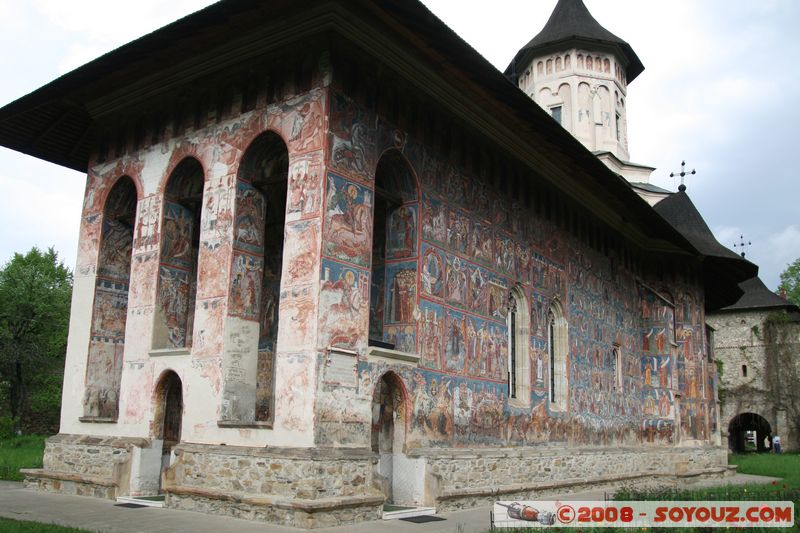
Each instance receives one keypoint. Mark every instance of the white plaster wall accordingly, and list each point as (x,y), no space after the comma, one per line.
(76,357)
(408,479)
(145,469)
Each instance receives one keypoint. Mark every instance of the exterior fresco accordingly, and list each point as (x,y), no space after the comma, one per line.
(336,266)
(110,310)
(454,247)
(471,252)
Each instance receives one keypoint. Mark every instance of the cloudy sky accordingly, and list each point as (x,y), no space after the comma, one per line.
(719,90)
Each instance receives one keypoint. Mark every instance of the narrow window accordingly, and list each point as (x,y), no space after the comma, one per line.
(519,371)
(616,363)
(552,350)
(557,347)
(618,125)
(744,371)
(512,348)
(555,112)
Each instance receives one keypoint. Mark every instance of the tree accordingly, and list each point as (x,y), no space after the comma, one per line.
(35,295)
(790,282)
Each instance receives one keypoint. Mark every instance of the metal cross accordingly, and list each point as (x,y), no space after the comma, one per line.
(682,174)
(742,244)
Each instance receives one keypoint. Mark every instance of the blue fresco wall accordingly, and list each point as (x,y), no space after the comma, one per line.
(474,244)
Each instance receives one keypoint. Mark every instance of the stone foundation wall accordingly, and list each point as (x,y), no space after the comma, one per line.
(88,456)
(85,465)
(464,478)
(306,488)
(287,515)
(286,472)
(312,488)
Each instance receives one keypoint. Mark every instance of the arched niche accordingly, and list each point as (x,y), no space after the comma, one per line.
(393,290)
(260,216)
(180,245)
(110,309)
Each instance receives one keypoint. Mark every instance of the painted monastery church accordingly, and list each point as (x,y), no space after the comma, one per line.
(330,258)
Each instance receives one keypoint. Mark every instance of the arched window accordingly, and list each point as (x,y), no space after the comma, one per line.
(519,372)
(616,363)
(261,194)
(110,313)
(180,245)
(393,293)
(557,347)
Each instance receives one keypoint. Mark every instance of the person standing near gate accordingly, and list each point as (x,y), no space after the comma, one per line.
(776,444)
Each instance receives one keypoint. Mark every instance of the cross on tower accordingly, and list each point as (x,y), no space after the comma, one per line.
(682,174)
(741,245)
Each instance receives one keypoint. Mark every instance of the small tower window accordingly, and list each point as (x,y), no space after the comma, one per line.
(555,112)
(616,363)
(744,371)
(618,123)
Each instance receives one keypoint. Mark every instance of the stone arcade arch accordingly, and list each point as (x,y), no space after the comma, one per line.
(393,289)
(180,246)
(743,423)
(396,472)
(261,192)
(110,312)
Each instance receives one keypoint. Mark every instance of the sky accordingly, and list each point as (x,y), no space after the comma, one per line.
(719,90)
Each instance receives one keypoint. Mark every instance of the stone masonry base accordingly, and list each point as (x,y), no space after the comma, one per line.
(312,488)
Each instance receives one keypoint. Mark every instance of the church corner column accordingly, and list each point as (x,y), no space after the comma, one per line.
(303,122)
(82,304)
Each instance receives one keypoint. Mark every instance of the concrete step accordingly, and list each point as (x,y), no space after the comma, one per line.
(408,513)
(152,501)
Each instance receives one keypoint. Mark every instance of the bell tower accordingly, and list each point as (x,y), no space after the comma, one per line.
(579,72)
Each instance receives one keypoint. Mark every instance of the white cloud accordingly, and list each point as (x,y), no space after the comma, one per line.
(39,211)
(784,247)
(99,26)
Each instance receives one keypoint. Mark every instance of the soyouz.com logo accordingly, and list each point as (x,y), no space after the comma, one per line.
(584,514)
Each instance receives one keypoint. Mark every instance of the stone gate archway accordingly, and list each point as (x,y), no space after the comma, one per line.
(744,427)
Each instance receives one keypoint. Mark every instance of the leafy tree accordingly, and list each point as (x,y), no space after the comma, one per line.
(35,294)
(790,282)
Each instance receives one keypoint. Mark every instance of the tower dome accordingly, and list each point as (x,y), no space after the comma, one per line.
(570,24)
(578,71)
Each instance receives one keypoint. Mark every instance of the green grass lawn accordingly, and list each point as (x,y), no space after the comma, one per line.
(17,526)
(785,465)
(20,452)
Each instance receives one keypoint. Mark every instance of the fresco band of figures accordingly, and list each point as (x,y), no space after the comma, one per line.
(423,256)
(474,246)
